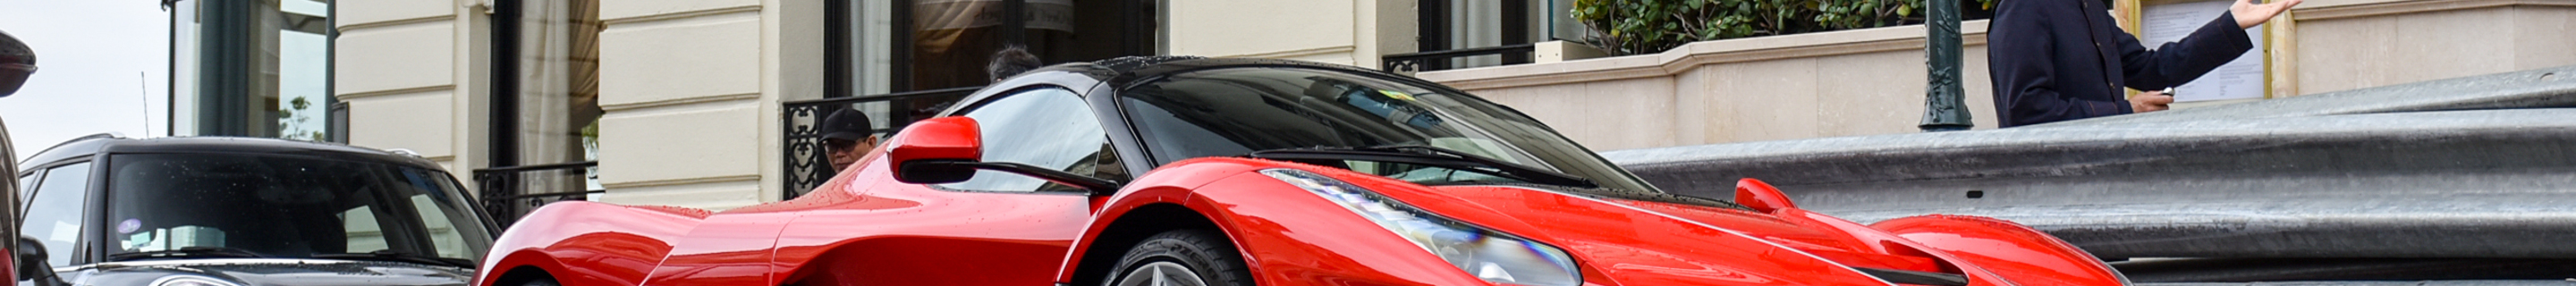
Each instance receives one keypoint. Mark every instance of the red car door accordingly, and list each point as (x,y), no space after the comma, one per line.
(995,229)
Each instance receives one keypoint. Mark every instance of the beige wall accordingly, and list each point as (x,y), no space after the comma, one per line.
(412,74)
(1770,88)
(2348,44)
(692,91)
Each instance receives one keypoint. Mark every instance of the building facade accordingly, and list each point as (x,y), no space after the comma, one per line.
(684,102)
(709,103)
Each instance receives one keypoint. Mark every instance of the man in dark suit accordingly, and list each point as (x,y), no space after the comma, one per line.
(2058,60)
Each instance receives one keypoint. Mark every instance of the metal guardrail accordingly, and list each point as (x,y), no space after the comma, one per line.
(512,192)
(2457,179)
(1441,60)
(2473,167)
(807,166)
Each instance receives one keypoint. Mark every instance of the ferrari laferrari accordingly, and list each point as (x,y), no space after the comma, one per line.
(1193,171)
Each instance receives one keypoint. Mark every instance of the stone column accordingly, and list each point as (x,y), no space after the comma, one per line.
(413,74)
(691,89)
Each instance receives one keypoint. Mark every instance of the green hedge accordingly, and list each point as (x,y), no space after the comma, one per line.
(1626,27)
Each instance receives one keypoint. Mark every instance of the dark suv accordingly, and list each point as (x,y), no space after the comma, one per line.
(246,211)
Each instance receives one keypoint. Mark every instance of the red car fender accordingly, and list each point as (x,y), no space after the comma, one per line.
(2010,249)
(618,251)
(1287,235)
(1170,184)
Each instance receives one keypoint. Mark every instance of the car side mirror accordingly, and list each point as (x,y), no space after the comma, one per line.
(31,259)
(16,63)
(950,149)
(1761,196)
(918,151)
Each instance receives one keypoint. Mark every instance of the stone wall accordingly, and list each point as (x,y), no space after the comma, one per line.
(1843,83)
(1866,82)
(410,71)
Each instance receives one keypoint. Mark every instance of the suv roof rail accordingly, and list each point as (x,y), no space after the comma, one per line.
(405,152)
(108,135)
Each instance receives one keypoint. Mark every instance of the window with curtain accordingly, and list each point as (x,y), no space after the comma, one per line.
(554,110)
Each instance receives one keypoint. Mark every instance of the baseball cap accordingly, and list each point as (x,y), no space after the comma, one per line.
(847,124)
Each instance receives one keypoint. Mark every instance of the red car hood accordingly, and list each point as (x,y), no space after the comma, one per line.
(1674,241)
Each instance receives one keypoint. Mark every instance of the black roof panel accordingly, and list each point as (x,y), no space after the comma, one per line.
(89,146)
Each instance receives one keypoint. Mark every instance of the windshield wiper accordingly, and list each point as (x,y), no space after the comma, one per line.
(187,252)
(399,256)
(1427,156)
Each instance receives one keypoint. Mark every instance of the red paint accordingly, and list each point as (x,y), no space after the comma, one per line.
(866,228)
(1761,196)
(952,138)
(2006,248)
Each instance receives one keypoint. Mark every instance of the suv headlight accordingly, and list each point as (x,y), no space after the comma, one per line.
(1492,255)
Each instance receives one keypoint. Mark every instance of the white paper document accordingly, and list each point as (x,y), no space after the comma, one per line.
(2239,79)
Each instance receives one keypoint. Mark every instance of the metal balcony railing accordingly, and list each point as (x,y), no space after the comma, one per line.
(1442,60)
(512,192)
(807,166)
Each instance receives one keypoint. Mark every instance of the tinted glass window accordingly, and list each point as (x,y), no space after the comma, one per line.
(1049,128)
(55,216)
(454,229)
(1235,111)
(286,206)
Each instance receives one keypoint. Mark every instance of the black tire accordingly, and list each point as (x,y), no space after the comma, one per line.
(1203,254)
(541,281)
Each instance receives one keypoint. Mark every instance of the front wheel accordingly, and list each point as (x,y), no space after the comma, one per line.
(1182,258)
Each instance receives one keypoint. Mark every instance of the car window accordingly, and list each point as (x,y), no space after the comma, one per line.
(55,214)
(1050,128)
(286,206)
(1237,111)
(363,231)
(454,231)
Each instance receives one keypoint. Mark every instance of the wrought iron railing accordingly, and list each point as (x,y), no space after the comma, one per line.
(806,164)
(512,192)
(1441,60)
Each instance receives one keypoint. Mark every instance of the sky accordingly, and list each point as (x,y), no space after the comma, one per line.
(102,66)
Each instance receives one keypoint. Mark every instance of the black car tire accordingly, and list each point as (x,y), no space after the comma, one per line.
(541,282)
(1179,255)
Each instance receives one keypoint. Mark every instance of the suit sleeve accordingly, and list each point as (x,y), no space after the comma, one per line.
(2021,61)
(2178,62)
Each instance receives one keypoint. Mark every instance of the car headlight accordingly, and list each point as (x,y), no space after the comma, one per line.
(1492,255)
(191,280)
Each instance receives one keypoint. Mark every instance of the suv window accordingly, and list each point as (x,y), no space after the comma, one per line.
(55,214)
(1049,127)
(286,206)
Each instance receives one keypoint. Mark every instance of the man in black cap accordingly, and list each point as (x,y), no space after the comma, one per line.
(847,135)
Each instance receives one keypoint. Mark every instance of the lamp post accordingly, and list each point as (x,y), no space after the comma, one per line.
(1944,108)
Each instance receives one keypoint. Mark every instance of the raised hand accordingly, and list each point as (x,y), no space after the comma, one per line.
(2249,14)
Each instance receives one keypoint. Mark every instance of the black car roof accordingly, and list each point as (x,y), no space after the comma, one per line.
(85,147)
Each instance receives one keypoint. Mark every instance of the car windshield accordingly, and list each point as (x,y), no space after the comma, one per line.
(1236,111)
(284,206)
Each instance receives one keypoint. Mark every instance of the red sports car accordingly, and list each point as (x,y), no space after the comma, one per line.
(1184,171)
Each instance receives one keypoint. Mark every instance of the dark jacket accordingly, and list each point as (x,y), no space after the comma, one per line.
(2058,60)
